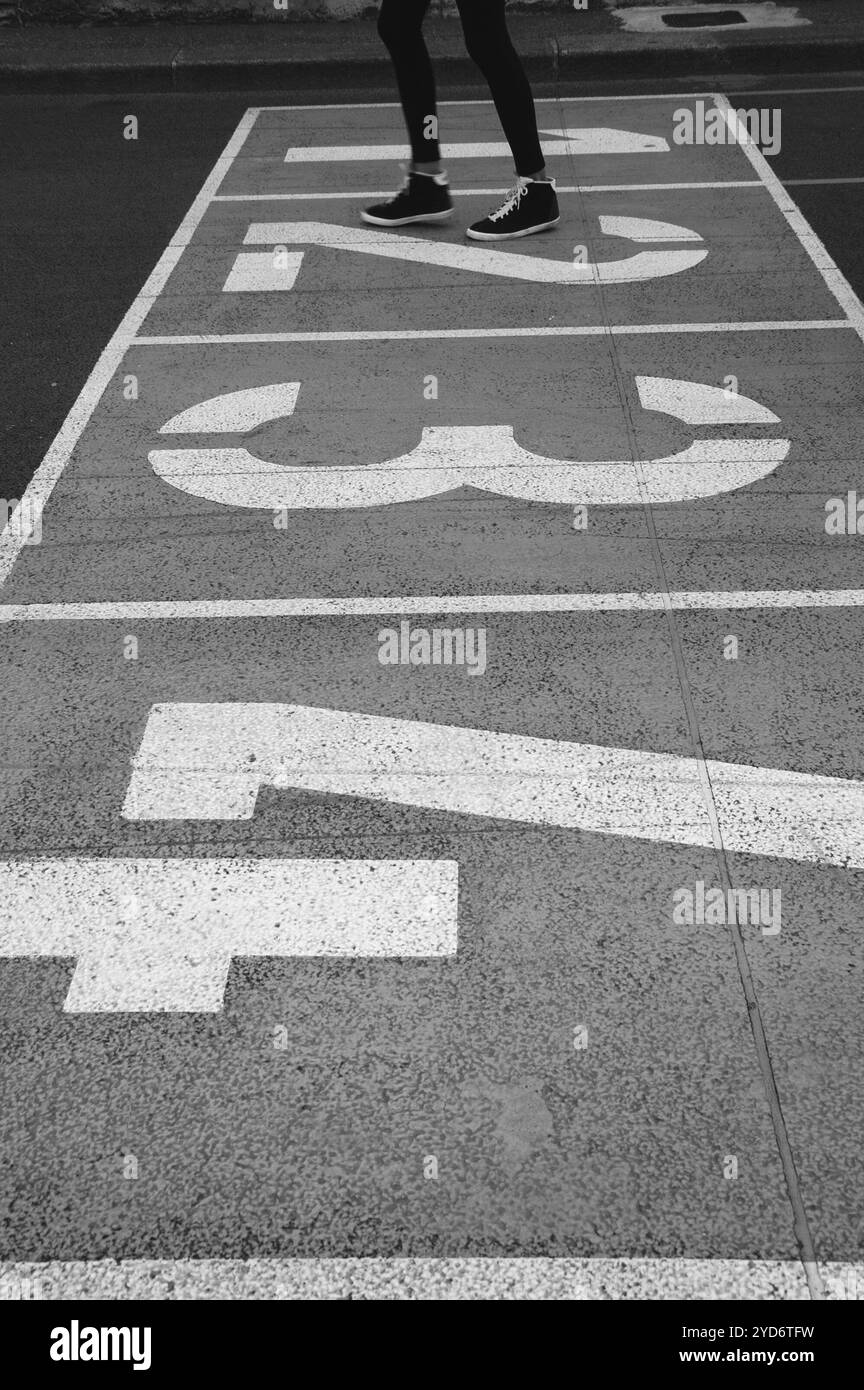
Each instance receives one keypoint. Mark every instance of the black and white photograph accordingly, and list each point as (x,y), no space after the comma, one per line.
(432,669)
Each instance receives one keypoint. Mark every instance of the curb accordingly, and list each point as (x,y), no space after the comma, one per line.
(173,62)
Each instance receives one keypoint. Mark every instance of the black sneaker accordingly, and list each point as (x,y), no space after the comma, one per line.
(531,207)
(422,198)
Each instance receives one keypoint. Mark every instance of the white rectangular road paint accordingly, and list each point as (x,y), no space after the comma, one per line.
(587,141)
(208,762)
(438,1278)
(394,604)
(261,270)
(159,934)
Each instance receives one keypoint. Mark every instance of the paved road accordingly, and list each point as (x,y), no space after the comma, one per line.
(488,1025)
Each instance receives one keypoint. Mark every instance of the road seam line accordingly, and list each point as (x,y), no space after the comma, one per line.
(800,1222)
(560,331)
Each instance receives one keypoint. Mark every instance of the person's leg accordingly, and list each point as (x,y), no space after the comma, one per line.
(425,195)
(533,204)
(400,27)
(488,42)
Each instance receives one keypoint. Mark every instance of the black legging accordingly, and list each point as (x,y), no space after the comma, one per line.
(488,42)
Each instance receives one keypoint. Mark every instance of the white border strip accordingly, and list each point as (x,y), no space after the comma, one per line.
(484,192)
(815,248)
(485,101)
(410,1279)
(385,605)
(602,330)
(42,483)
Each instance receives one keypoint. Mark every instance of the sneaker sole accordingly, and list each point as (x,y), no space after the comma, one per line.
(404,221)
(509,236)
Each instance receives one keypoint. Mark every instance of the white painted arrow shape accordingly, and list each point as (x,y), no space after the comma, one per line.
(159,934)
(644,265)
(587,140)
(486,457)
(208,761)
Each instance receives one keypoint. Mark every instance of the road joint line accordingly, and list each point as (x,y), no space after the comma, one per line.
(419,334)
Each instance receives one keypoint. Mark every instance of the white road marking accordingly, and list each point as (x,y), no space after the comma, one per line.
(236,411)
(260,270)
(699,403)
(593,140)
(818,253)
(158,935)
(439,1278)
(169,610)
(645,265)
(208,762)
(491,192)
(44,479)
(486,457)
(646,229)
(605,330)
(556,102)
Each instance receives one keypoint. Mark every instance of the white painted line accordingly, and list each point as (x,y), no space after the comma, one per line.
(263,270)
(382,605)
(42,483)
(589,141)
(604,330)
(429,1278)
(158,935)
(819,255)
(494,192)
(556,102)
(208,762)
(644,265)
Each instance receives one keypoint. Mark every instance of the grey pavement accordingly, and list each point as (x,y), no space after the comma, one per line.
(670,703)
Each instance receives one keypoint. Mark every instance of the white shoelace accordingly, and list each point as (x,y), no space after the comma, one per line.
(512,201)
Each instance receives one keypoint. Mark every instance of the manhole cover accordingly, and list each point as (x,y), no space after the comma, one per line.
(656,19)
(696,19)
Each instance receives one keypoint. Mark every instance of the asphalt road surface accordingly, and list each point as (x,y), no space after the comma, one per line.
(433,816)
